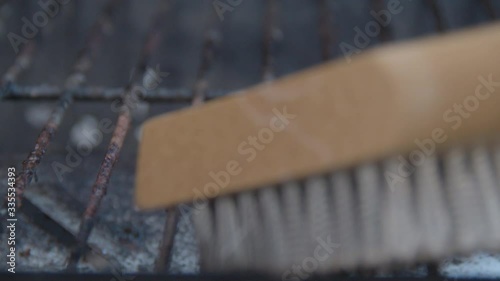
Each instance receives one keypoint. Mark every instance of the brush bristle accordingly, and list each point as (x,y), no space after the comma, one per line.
(377,215)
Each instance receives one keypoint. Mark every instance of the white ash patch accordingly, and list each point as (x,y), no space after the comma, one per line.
(37,250)
(481,265)
(37,115)
(138,133)
(83,130)
(185,253)
(141,110)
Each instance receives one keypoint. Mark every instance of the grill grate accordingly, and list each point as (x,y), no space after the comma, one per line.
(82,65)
(75,90)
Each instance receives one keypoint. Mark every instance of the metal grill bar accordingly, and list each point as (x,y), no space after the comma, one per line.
(21,63)
(488,5)
(385,31)
(165,251)
(50,92)
(82,64)
(198,97)
(211,277)
(39,209)
(269,38)
(325,30)
(38,217)
(207,57)
(123,124)
(440,26)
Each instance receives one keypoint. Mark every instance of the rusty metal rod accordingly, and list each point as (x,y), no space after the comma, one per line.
(198,97)
(490,9)
(96,93)
(440,26)
(325,30)
(269,39)
(270,27)
(116,143)
(21,63)
(46,223)
(201,84)
(165,251)
(82,64)
(385,34)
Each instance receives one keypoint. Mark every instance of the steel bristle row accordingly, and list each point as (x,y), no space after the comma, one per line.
(377,215)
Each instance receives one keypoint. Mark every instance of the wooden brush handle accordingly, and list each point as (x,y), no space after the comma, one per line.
(395,99)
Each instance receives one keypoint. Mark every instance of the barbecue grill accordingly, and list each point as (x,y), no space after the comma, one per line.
(112,64)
